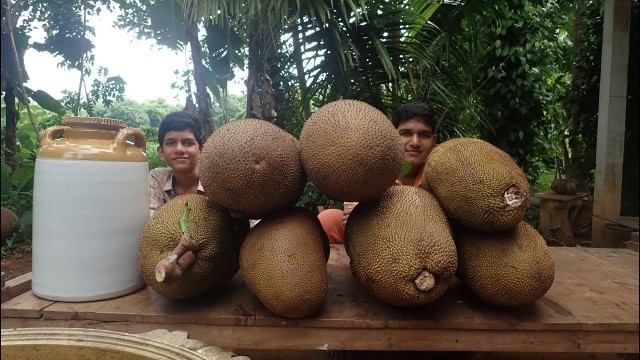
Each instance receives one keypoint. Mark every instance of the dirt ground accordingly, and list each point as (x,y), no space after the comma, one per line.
(16,264)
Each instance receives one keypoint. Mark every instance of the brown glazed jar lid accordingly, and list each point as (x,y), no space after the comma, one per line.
(97,123)
(93,138)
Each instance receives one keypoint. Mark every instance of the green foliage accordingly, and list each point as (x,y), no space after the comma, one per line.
(65,30)
(127,110)
(235,107)
(503,62)
(153,157)
(543,181)
(161,20)
(157,109)
(150,132)
(581,99)
(47,101)
(105,90)
(312,197)
(17,185)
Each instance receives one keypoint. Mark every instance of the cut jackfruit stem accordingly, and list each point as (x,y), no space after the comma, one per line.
(513,196)
(425,281)
(183,223)
(171,268)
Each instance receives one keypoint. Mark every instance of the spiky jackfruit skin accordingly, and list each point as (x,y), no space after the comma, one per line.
(210,226)
(393,239)
(252,167)
(350,150)
(283,262)
(479,186)
(10,223)
(509,268)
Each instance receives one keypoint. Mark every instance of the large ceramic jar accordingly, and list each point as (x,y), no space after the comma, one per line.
(90,204)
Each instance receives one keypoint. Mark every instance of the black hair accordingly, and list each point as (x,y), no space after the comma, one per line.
(179,121)
(415,109)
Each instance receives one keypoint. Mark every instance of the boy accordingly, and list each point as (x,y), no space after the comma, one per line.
(180,141)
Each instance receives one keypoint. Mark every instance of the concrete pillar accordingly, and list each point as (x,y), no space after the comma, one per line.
(611,116)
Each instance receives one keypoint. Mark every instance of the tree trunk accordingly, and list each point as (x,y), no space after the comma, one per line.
(203,99)
(254,105)
(12,120)
(260,94)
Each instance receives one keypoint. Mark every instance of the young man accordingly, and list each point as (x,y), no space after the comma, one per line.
(180,140)
(416,124)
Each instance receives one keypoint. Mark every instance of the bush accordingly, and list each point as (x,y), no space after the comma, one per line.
(153,157)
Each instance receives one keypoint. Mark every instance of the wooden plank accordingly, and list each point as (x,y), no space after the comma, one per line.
(292,338)
(347,304)
(124,308)
(598,286)
(595,292)
(554,196)
(26,305)
(558,310)
(16,286)
(232,304)
(223,307)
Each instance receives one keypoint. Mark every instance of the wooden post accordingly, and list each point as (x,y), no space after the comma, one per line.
(611,116)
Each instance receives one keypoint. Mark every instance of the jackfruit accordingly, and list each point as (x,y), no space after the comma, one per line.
(10,224)
(401,248)
(509,268)
(283,262)
(479,186)
(252,167)
(217,243)
(350,150)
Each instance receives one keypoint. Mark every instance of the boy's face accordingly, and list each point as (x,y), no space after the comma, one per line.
(180,150)
(418,140)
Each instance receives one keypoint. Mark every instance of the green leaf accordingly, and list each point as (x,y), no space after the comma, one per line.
(48,102)
(168,24)
(21,177)
(5,176)
(406,167)
(26,218)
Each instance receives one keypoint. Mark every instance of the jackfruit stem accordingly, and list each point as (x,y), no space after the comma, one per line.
(171,268)
(513,196)
(425,281)
(183,223)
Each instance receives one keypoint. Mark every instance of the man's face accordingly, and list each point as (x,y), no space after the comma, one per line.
(180,150)
(417,140)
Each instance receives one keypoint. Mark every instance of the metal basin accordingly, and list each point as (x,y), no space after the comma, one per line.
(72,344)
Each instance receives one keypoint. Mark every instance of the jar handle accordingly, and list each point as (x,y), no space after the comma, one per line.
(139,140)
(49,134)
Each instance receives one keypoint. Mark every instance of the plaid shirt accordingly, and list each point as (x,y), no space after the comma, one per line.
(161,188)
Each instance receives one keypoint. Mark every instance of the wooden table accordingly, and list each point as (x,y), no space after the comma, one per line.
(591,307)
